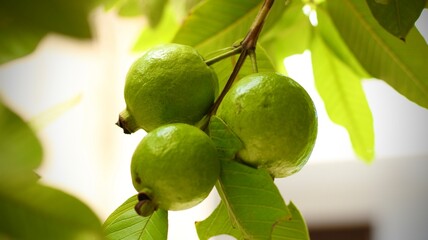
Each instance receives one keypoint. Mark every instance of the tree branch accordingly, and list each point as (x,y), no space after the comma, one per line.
(248,47)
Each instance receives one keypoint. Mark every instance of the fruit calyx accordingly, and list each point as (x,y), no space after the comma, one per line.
(145,206)
(127,122)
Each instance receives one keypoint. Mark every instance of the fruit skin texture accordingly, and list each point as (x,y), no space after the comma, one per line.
(176,166)
(169,83)
(275,119)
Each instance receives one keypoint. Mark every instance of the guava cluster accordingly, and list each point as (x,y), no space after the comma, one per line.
(170,88)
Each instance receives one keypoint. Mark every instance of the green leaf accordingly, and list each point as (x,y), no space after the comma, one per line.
(64,17)
(219,223)
(130,8)
(216,224)
(125,223)
(183,7)
(226,142)
(154,9)
(401,64)
(335,43)
(253,202)
(39,212)
(396,16)
(291,35)
(216,24)
(29,210)
(110,4)
(17,41)
(25,22)
(163,33)
(294,228)
(20,149)
(344,98)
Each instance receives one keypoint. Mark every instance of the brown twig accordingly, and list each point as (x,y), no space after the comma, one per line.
(247,47)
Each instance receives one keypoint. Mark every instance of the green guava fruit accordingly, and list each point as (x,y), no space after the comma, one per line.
(275,119)
(174,167)
(169,83)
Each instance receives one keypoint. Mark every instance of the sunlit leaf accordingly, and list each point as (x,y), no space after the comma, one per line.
(335,43)
(226,142)
(217,223)
(291,35)
(39,212)
(25,22)
(125,223)
(401,64)
(130,8)
(344,99)
(110,4)
(163,33)
(153,9)
(216,24)
(293,228)
(253,202)
(396,16)
(183,7)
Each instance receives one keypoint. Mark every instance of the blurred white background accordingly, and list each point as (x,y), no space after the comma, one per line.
(87,155)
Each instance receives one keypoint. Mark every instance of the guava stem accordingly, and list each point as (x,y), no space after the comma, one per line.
(247,47)
(254,61)
(234,51)
(230,81)
(127,122)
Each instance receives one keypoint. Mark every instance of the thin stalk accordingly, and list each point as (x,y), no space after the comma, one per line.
(230,81)
(254,61)
(227,54)
(248,46)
